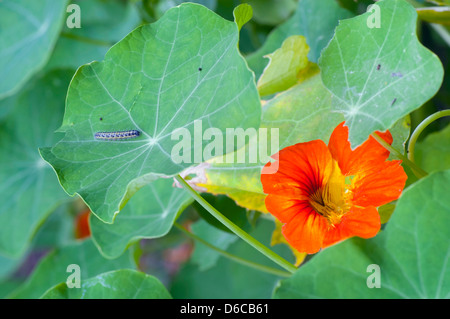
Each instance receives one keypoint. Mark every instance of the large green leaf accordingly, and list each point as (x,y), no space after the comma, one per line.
(52,270)
(379,75)
(28,32)
(119,284)
(160,78)
(101,26)
(313,19)
(412,253)
(29,189)
(149,214)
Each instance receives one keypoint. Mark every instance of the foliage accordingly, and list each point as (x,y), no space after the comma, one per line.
(171,70)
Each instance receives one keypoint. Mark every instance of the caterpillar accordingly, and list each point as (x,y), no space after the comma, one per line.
(121,135)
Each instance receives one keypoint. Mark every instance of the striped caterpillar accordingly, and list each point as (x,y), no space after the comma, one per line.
(120,135)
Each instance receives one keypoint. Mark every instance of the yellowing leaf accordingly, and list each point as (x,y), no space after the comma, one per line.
(249,200)
(288,66)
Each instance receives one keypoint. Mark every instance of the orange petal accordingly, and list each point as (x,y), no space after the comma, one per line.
(361,222)
(300,171)
(306,231)
(285,208)
(362,158)
(379,185)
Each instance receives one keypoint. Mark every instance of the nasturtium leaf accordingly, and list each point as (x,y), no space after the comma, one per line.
(181,72)
(58,229)
(118,284)
(100,27)
(29,189)
(433,152)
(204,256)
(28,32)
(411,254)
(316,20)
(52,269)
(288,65)
(242,14)
(149,214)
(377,70)
(229,279)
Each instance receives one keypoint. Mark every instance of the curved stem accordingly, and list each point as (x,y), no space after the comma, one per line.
(420,128)
(416,169)
(235,258)
(237,230)
(87,40)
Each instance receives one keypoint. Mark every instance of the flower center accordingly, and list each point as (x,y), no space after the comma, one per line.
(330,200)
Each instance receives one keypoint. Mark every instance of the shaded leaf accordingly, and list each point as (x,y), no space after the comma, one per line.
(28,32)
(52,269)
(118,284)
(204,256)
(29,189)
(235,280)
(149,214)
(101,26)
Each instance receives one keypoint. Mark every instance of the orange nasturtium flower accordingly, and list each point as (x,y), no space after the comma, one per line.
(323,195)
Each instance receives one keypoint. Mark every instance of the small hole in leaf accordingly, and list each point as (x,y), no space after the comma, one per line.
(200,69)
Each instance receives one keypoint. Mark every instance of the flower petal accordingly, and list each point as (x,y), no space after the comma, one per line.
(285,208)
(301,170)
(306,231)
(362,158)
(379,185)
(359,221)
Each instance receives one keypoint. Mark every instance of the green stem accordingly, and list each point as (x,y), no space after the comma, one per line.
(235,229)
(86,39)
(235,258)
(416,169)
(420,128)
